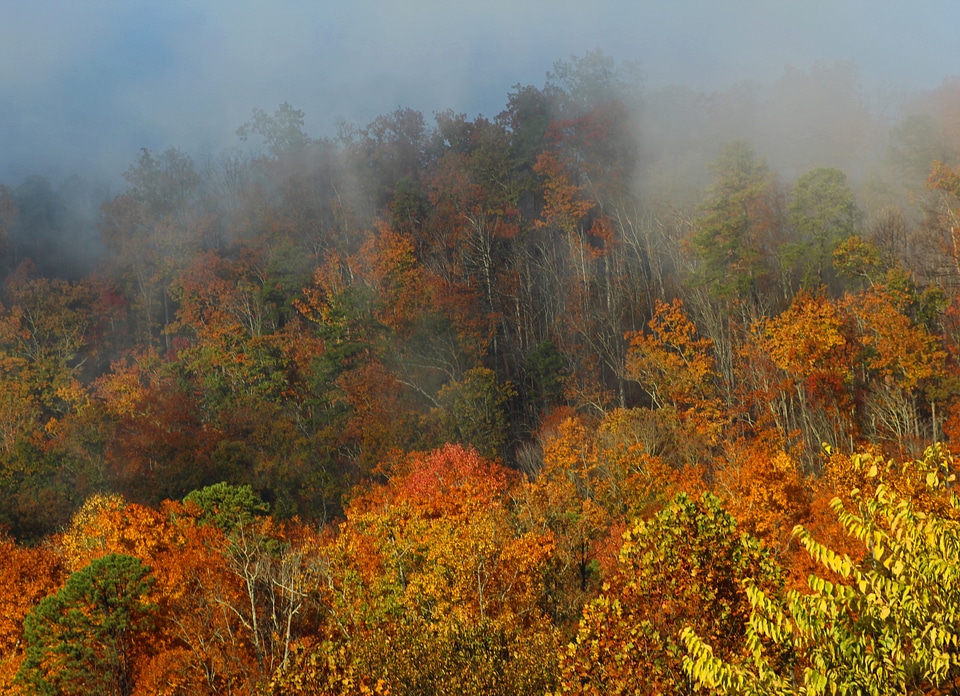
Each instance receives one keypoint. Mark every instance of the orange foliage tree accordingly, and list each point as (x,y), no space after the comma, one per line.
(27,575)
(428,581)
(231,587)
(903,363)
(678,371)
(814,346)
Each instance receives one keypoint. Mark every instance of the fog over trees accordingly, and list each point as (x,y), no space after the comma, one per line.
(569,398)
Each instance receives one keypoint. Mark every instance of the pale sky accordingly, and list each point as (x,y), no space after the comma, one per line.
(85,83)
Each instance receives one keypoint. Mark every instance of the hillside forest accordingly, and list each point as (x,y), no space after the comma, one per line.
(626,389)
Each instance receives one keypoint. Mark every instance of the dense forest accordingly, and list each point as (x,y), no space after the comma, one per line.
(624,390)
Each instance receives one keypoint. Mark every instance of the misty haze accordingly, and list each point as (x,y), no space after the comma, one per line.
(535,348)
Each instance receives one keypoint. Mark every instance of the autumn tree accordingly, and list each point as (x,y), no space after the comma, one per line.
(904,364)
(161,448)
(430,588)
(47,334)
(273,566)
(586,477)
(863,260)
(677,369)
(232,587)
(48,327)
(569,498)
(246,356)
(885,626)
(27,575)
(363,381)
(814,345)
(671,363)
(436,329)
(765,488)
(686,565)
